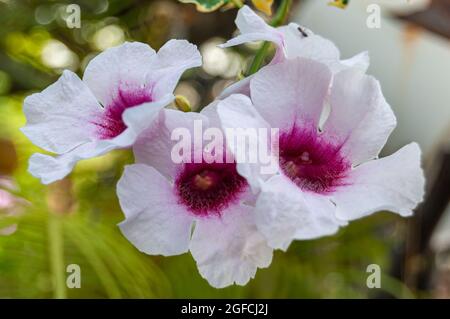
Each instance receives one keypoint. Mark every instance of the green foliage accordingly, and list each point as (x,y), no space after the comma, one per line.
(110,266)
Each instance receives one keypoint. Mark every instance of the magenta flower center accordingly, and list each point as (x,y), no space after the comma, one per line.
(311,162)
(207,189)
(111,124)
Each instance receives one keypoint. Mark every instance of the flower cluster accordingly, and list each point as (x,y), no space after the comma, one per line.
(332,120)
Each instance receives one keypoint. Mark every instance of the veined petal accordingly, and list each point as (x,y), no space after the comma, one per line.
(154,146)
(394,183)
(171,61)
(359,61)
(360,117)
(124,67)
(155,224)
(285,213)
(292,90)
(292,41)
(236,251)
(253,28)
(237,112)
(239,87)
(210,112)
(59,118)
(302,42)
(50,169)
(139,118)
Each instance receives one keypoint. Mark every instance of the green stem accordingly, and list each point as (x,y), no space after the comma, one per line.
(277,20)
(259,58)
(281,13)
(56,248)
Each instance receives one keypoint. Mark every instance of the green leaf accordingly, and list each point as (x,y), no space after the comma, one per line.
(206,5)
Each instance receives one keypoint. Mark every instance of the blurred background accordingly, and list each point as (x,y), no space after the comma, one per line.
(45,228)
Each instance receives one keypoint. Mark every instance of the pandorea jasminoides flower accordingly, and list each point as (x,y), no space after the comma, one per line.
(291,41)
(204,207)
(121,93)
(326,175)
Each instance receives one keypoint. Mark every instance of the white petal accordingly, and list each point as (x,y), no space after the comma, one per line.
(292,41)
(394,183)
(237,112)
(312,46)
(155,145)
(59,118)
(315,47)
(50,169)
(253,28)
(360,116)
(291,90)
(175,57)
(284,213)
(210,111)
(154,222)
(240,87)
(229,249)
(141,117)
(124,66)
(360,61)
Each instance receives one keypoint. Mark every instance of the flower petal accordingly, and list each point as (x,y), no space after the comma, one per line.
(210,111)
(58,118)
(175,57)
(238,112)
(311,46)
(124,66)
(394,183)
(154,222)
(360,61)
(292,41)
(155,145)
(253,28)
(239,87)
(293,89)
(236,251)
(49,169)
(139,118)
(360,117)
(284,213)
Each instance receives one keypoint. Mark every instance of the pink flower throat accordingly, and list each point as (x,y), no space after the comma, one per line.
(207,189)
(311,162)
(111,123)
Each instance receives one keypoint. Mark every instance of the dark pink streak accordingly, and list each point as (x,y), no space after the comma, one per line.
(111,124)
(312,161)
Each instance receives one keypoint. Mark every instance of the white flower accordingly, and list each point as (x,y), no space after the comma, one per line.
(198,207)
(291,41)
(330,175)
(121,92)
